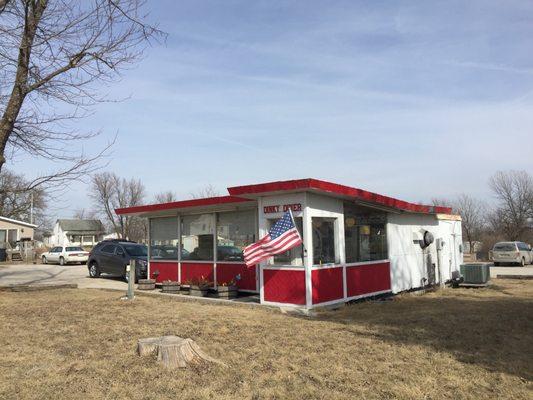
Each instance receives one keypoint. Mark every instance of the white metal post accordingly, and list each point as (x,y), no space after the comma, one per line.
(149,248)
(308,252)
(215,248)
(131,279)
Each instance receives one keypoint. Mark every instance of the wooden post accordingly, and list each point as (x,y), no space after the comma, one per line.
(131,279)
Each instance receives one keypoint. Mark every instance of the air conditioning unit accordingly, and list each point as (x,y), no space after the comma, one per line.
(476,273)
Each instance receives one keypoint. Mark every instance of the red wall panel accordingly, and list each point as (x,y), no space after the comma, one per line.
(167,271)
(228,272)
(192,270)
(284,286)
(363,279)
(327,284)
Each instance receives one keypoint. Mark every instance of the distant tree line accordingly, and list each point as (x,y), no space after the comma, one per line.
(510,218)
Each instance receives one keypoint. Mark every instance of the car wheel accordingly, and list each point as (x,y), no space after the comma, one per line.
(44,260)
(94,270)
(61,261)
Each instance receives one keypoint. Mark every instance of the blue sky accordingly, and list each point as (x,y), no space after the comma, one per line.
(410,99)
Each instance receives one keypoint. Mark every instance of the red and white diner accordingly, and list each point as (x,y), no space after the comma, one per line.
(355,243)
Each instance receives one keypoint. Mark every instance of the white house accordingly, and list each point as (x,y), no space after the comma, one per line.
(76,232)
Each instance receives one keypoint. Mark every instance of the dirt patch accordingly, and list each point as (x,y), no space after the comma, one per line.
(461,344)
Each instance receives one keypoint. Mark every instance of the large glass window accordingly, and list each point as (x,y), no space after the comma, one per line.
(323,240)
(197,237)
(235,231)
(364,234)
(164,240)
(293,256)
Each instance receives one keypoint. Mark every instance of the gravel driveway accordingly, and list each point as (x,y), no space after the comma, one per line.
(11,274)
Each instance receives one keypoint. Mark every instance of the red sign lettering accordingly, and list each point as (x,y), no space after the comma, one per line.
(286,207)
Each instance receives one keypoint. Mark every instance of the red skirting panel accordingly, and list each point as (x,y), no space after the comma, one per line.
(192,270)
(284,286)
(363,279)
(228,272)
(327,285)
(166,271)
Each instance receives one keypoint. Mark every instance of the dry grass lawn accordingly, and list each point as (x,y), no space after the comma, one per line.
(460,344)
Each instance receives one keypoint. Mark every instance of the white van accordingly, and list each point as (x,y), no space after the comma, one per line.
(512,253)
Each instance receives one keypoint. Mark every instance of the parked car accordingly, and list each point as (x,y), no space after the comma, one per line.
(167,252)
(113,256)
(229,253)
(512,253)
(65,255)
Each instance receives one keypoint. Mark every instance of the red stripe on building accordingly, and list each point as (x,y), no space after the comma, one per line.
(284,286)
(166,271)
(327,285)
(229,272)
(370,278)
(191,270)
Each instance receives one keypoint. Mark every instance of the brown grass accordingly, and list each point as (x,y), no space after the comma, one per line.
(460,344)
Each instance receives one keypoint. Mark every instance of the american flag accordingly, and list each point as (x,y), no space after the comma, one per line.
(281,237)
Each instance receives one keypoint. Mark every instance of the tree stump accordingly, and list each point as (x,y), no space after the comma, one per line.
(175,352)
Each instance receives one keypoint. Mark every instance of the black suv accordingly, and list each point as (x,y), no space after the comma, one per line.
(112,257)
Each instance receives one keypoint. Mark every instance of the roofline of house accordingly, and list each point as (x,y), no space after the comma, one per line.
(15,221)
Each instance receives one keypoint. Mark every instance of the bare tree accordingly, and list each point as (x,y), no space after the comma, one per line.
(443,202)
(17,202)
(165,197)
(514,191)
(109,192)
(473,214)
(82,213)
(55,55)
(206,191)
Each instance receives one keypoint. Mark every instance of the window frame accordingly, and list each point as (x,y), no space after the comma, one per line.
(213,235)
(334,220)
(255,231)
(366,212)
(178,238)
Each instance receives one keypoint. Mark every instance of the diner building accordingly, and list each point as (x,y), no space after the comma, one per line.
(356,243)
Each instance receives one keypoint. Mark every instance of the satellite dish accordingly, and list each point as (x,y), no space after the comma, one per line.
(427,239)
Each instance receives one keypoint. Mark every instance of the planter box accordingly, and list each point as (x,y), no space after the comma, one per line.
(170,287)
(200,291)
(146,284)
(227,292)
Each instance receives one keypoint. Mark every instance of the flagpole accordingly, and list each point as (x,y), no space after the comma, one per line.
(301,239)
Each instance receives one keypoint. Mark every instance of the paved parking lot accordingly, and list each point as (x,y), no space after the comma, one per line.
(48,274)
(511,270)
(55,274)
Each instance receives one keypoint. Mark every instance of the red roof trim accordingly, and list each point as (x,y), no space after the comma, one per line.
(210,201)
(334,188)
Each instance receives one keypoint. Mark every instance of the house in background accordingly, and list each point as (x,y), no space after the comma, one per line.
(75,232)
(16,238)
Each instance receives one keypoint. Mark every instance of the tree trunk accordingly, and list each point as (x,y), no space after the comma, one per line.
(34,11)
(174,352)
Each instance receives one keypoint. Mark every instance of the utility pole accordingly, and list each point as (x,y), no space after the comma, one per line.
(31,207)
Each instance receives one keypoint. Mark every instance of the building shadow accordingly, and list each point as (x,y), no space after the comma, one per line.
(494,333)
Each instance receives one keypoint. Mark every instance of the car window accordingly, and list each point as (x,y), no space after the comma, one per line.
(523,246)
(504,247)
(74,249)
(119,251)
(136,250)
(109,249)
